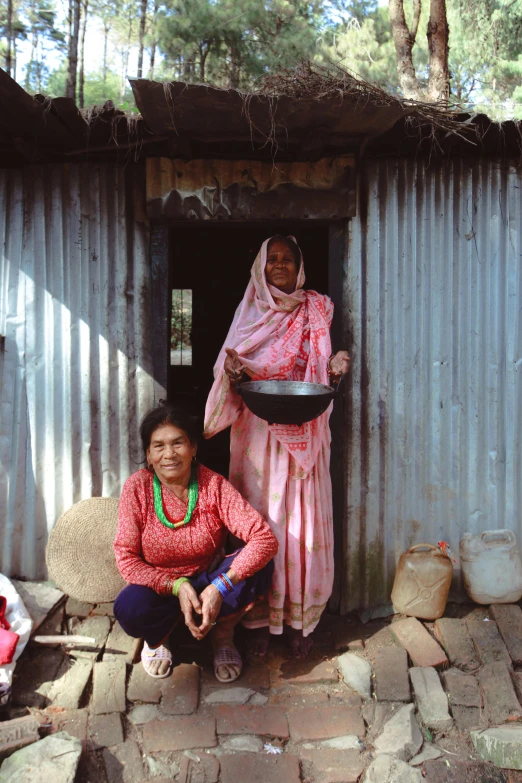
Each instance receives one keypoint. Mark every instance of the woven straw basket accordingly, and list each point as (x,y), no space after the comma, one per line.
(80,554)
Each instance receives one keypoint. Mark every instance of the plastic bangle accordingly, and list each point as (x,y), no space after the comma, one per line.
(177,584)
(229,584)
(223,582)
(217,582)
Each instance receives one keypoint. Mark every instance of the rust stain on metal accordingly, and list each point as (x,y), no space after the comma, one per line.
(223,189)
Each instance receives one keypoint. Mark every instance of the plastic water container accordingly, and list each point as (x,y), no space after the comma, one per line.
(491,567)
(422,582)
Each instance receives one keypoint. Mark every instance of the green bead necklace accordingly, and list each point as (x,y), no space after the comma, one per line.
(159,508)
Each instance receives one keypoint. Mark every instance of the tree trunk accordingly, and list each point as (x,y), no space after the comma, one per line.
(438,34)
(9,36)
(39,73)
(30,64)
(152,60)
(154,42)
(125,60)
(81,99)
(72,64)
(204,51)
(105,46)
(403,41)
(417,8)
(187,67)
(31,13)
(143,21)
(235,66)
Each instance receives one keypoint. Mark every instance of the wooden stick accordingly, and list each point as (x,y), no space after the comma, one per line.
(66,639)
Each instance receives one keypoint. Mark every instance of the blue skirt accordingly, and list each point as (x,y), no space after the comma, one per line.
(144,614)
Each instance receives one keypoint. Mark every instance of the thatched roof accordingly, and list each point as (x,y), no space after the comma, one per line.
(296,115)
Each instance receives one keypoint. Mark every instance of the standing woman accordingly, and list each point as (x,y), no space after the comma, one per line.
(280,331)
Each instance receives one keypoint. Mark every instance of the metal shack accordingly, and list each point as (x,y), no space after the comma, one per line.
(410,221)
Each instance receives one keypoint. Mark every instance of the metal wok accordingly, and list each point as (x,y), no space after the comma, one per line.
(287,402)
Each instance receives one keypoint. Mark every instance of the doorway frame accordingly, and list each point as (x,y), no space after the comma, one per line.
(338,253)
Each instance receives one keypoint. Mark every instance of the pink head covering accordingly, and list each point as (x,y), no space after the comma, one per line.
(264,292)
(270,330)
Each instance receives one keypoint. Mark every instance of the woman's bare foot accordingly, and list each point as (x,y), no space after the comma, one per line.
(227,664)
(256,642)
(227,661)
(300,645)
(157,661)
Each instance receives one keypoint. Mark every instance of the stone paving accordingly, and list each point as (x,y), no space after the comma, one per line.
(393,700)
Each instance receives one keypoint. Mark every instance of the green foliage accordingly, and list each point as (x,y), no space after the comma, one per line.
(181,326)
(42,31)
(19,26)
(231,44)
(485,55)
(55,86)
(97,92)
(236,42)
(362,48)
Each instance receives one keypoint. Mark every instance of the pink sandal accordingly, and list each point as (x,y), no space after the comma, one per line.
(161,653)
(227,656)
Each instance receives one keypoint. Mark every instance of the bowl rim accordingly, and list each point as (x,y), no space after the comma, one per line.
(325,390)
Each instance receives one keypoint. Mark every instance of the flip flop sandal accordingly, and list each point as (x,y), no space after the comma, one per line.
(227,656)
(160,653)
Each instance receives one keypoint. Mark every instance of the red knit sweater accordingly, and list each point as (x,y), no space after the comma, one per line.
(148,553)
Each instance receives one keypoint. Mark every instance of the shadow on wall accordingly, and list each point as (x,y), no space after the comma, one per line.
(77,369)
(23,534)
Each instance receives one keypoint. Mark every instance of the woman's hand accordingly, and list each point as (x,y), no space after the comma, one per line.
(211,600)
(233,366)
(339,364)
(190,603)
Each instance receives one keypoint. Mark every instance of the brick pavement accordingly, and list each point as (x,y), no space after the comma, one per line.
(508,618)
(320,723)
(181,690)
(243,719)
(454,637)
(422,648)
(390,669)
(183,733)
(300,722)
(486,637)
(500,699)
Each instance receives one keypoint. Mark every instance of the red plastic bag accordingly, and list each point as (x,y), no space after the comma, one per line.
(8,642)
(8,639)
(3,622)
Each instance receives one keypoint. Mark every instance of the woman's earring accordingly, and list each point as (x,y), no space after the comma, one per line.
(149,467)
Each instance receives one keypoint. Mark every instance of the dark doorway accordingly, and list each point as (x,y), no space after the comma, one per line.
(209,268)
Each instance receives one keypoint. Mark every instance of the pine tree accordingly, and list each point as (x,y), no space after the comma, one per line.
(73,21)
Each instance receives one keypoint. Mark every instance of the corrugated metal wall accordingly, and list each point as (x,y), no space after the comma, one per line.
(433,287)
(433,290)
(75,373)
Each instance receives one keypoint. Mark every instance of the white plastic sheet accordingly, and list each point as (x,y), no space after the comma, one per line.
(20,621)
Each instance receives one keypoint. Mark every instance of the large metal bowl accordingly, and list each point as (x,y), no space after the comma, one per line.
(286,402)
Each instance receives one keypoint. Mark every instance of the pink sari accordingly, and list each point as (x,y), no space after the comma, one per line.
(282,470)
